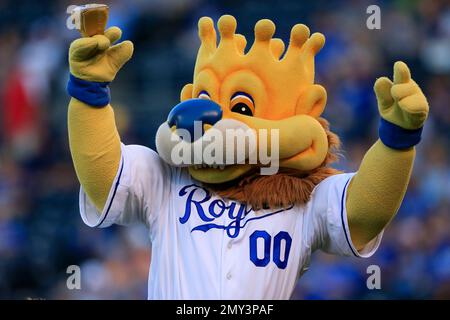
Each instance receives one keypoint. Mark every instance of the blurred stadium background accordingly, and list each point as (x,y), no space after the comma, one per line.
(41,232)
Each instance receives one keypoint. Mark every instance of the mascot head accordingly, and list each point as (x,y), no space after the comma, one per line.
(262,90)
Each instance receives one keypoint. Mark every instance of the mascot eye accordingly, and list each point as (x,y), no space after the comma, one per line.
(204,95)
(242,108)
(242,103)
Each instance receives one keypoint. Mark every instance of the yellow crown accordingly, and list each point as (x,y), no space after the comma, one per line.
(283,76)
(229,54)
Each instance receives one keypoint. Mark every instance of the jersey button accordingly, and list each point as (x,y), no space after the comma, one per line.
(230,244)
(229,276)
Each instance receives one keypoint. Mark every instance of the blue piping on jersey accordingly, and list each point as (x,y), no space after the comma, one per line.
(342,218)
(112,198)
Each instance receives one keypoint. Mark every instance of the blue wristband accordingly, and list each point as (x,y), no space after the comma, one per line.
(95,94)
(396,137)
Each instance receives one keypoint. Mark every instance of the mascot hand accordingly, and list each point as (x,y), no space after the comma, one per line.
(94,59)
(401,102)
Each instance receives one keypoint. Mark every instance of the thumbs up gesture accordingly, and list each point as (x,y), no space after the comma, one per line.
(401,102)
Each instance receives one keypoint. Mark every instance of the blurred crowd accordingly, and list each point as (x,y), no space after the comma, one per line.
(41,233)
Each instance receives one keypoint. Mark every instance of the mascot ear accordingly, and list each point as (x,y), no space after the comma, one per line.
(312,101)
(186,92)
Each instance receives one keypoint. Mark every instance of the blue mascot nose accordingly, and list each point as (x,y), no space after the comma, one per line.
(185,113)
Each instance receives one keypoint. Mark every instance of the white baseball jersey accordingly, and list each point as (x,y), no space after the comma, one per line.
(206,247)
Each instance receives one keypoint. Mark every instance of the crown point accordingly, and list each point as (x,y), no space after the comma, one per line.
(205,27)
(264,30)
(227,26)
(316,42)
(277,47)
(299,34)
(241,42)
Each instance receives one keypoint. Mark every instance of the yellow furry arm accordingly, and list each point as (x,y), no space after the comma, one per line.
(93,137)
(95,148)
(376,191)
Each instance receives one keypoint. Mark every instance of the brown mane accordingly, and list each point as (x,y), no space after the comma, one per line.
(285,188)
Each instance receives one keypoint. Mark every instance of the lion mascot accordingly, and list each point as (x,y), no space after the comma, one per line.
(222,227)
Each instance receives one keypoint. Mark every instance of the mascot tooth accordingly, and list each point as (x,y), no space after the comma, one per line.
(221,228)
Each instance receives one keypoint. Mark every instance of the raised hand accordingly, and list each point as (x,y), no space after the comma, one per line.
(96,59)
(401,102)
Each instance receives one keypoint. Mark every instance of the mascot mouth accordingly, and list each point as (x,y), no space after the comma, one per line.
(301,144)
(216,174)
(213,175)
